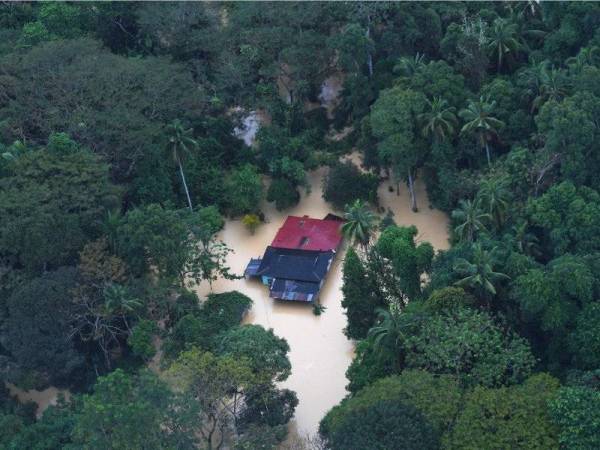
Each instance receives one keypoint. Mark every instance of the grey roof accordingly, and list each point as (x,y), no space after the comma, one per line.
(293,264)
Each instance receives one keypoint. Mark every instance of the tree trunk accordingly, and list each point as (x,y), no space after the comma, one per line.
(187,192)
(487,153)
(369,55)
(411,188)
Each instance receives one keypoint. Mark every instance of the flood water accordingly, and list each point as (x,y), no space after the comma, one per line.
(319,351)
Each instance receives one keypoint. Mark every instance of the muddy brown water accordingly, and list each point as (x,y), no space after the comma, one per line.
(319,351)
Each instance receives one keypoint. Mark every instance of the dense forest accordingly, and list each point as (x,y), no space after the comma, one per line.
(120,165)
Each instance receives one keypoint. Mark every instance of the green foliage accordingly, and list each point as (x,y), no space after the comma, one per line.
(370,428)
(409,260)
(266,352)
(36,329)
(283,193)
(584,341)
(575,411)
(243,191)
(141,337)
(124,412)
(49,196)
(436,397)
(468,344)
(200,328)
(345,183)
(449,298)
(359,299)
(155,237)
(360,223)
(569,217)
(510,417)
(121,102)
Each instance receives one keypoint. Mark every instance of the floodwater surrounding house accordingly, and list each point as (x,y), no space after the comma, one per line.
(296,263)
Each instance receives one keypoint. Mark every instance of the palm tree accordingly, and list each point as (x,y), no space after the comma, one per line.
(478,274)
(544,83)
(360,223)
(479,120)
(181,141)
(118,301)
(587,56)
(388,330)
(439,121)
(470,219)
(494,195)
(503,41)
(525,242)
(409,66)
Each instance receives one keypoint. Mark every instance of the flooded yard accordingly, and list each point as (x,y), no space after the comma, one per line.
(319,351)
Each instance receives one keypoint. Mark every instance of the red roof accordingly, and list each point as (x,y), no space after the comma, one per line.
(308,234)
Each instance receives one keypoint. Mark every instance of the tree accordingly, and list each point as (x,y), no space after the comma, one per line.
(438,121)
(575,410)
(370,428)
(360,300)
(359,224)
(50,195)
(125,412)
(479,273)
(283,193)
(470,219)
(344,183)
(494,194)
(550,299)
(200,327)
(122,103)
(438,398)
(513,417)
(243,190)
(408,260)
(469,345)
(158,237)
(569,218)
(141,339)
(479,119)
(266,353)
(181,142)
(213,389)
(393,119)
(35,332)
(503,41)
(584,341)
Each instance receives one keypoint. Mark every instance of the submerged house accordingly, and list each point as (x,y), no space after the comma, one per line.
(296,263)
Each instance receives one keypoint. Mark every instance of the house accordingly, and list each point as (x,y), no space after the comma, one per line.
(296,263)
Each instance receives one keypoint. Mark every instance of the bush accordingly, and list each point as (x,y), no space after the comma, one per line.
(251,222)
(345,183)
(140,340)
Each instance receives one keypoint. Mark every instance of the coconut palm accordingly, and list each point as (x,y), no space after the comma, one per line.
(478,272)
(388,332)
(409,66)
(503,41)
(587,56)
(181,142)
(524,241)
(439,121)
(360,223)
(544,83)
(118,301)
(480,121)
(494,196)
(470,220)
